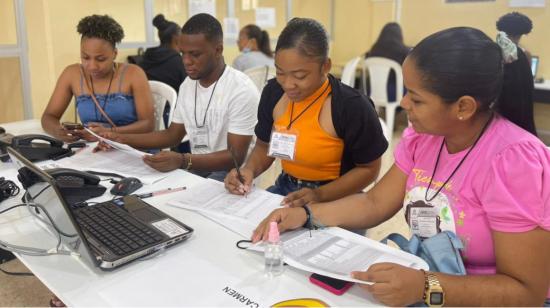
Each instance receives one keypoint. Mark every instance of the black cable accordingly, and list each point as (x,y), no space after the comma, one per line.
(8,189)
(15,273)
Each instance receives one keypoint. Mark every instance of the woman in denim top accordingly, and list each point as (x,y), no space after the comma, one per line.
(121,90)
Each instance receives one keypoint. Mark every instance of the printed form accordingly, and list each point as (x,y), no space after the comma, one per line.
(336,252)
(119,162)
(238,213)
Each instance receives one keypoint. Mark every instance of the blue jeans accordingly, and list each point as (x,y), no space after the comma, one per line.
(284,185)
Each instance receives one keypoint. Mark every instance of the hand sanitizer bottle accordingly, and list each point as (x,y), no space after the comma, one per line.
(273,252)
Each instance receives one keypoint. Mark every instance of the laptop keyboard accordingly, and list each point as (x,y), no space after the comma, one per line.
(117,230)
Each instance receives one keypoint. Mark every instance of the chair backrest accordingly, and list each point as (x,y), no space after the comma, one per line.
(162,93)
(348,73)
(384,129)
(378,70)
(260,75)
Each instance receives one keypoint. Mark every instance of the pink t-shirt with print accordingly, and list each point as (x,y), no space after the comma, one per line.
(503,185)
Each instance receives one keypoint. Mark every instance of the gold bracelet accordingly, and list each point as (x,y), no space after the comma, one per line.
(187,156)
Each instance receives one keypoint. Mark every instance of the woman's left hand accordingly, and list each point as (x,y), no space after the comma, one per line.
(393,284)
(301,197)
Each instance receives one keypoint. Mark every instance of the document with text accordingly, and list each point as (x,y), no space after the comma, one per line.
(336,252)
(119,162)
(238,213)
(119,146)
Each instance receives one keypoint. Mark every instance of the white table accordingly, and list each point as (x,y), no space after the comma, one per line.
(206,270)
(543,85)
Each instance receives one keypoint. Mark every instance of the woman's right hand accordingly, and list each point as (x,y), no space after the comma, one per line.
(66,135)
(287,219)
(238,186)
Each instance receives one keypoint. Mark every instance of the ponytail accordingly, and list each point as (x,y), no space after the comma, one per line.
(516,97)
(264,44)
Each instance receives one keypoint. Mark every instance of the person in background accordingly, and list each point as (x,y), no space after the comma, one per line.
(327,134)
(255,49)
(216,106)
(390,45)
(163,63)
(471,167)
(515,25)
(110,96)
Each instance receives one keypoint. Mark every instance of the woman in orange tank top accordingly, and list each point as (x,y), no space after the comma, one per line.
(326,134)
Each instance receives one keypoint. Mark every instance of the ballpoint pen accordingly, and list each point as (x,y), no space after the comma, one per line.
(161,192)
(239,175)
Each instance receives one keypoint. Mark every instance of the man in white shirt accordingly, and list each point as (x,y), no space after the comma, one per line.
(216,106)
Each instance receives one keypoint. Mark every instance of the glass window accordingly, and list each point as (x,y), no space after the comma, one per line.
(8,35)
(11,96)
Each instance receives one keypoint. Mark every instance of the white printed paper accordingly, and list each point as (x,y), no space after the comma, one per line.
(169,227)
(231,28)
(202,6)
(265,17)
(118,146)
(527,3)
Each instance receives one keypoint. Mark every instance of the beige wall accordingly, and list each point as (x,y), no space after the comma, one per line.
(54,43)
(10,87)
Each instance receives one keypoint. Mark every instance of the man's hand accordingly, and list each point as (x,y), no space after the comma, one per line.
(238,186)
(164,161)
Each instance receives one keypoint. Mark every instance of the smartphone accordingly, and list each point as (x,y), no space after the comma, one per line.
(72,126)
(333,285)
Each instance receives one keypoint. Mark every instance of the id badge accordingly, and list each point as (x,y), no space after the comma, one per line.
(423,219)
(283,144)
(200,138)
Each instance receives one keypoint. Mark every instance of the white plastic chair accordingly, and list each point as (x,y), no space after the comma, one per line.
(348,73)
(378,70)
(385,130)
(260,75)
(162,93)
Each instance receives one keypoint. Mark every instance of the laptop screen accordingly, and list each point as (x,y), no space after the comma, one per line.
(534,65)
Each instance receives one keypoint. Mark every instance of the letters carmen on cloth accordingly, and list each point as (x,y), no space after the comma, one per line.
(441,251)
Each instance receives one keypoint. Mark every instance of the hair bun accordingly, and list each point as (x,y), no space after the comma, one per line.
(160,22)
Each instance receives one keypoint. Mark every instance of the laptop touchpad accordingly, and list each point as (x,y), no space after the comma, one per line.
(146,215)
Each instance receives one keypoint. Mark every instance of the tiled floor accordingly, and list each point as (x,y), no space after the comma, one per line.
(29,291)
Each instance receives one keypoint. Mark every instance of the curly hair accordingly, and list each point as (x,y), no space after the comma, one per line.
(205,24)
(102,27)
(514,24)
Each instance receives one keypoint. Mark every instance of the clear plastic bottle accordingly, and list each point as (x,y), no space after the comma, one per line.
(273,252)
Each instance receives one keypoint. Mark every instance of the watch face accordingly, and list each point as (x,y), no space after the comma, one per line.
(436,298)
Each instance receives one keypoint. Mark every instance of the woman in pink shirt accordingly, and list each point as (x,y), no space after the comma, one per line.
(471,167)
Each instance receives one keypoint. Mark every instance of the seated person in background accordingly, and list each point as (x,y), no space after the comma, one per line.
(255,49)
(466,159)
(390,45)
(515,25)
(327,134)
(216,106)
(123,100)
(163,63)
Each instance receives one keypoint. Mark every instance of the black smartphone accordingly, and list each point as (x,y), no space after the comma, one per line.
(72,126)
(333,285)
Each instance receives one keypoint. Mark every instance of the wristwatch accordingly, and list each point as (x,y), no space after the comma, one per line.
(433,292)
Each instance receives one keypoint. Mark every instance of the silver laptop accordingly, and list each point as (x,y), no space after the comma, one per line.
(107,234)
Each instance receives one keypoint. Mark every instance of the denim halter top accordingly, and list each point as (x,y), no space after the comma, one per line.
(118,106)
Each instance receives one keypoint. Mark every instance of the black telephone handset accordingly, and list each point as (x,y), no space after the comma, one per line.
(65,177)
(75,186)
(37,147)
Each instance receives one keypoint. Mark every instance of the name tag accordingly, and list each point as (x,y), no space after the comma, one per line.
(199,140)
(283,144)
(423,219)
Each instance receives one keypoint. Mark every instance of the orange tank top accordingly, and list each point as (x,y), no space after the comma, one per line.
(318,155)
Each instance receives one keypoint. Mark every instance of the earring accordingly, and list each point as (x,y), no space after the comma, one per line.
(461,118)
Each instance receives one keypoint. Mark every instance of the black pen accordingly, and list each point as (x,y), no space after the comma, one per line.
(239,175)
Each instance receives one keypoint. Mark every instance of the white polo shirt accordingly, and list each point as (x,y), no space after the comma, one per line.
(233,109)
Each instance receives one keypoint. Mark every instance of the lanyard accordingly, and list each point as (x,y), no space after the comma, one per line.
(301,113)
(209,100)
(458,166)
(106,95)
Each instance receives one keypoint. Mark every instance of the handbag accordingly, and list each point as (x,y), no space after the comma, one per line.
(441,251)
